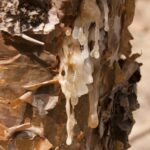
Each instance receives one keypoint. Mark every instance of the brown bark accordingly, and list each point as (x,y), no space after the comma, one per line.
(39,30)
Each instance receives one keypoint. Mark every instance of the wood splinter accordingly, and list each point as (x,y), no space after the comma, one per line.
(9,61)
(34,86)
(30,39)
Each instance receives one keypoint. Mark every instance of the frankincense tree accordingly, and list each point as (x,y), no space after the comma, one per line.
(67,74)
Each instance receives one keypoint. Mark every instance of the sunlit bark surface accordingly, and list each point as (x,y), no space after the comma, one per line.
(67,74)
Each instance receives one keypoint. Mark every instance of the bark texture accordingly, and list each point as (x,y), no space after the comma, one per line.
(39,38)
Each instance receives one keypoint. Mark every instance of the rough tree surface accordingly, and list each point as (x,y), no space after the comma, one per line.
(67,75)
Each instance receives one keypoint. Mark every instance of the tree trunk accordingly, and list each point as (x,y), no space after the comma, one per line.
(67,75)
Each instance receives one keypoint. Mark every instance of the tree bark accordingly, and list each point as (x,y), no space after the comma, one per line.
(82,50)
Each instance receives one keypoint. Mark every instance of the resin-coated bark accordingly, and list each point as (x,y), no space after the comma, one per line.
(67,74)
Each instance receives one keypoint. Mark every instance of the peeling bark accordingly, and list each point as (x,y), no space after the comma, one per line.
(62,74)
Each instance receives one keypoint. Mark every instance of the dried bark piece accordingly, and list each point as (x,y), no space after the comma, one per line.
(44,103)
(26,127)
(29,131)
(53,100)
(125,45)
(10,131)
